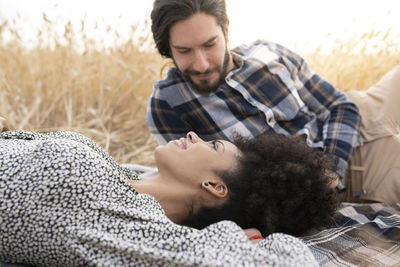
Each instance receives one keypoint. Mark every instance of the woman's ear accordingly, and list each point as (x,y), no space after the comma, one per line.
(216,188)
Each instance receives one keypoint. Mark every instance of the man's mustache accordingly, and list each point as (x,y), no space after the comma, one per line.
(195,73)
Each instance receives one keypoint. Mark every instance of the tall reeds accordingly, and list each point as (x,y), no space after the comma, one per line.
(358,62)
(69,82)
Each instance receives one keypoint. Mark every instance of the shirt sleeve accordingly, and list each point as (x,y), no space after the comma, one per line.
(340,116)
(164,122)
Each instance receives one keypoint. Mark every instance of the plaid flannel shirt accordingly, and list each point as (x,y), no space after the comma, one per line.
(271,89)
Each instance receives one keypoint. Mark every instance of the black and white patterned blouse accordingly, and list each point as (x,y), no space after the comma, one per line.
(65,202)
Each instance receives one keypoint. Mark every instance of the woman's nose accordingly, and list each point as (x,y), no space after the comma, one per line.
(193,137)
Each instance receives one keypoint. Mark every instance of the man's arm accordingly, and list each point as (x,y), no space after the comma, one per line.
(341,129)
(341,133)
(342,121)
(4,125)
(164,122)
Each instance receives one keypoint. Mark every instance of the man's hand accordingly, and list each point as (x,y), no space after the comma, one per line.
(334,176)
(4,125)
(253,234)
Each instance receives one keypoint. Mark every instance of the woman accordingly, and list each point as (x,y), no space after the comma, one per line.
(66,202)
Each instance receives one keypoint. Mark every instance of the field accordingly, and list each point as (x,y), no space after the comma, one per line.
(69,82)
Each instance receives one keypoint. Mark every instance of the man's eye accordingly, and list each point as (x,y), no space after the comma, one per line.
(183,51)
(210,45)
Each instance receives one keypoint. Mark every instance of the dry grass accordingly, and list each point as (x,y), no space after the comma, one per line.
(103,92)
(359,62)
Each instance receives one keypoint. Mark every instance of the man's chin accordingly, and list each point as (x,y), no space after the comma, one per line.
(204,89)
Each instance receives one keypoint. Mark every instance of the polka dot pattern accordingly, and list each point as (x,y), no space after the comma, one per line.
(66,202)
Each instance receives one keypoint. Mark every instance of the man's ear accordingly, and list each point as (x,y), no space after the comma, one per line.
(216,188)
(226,29)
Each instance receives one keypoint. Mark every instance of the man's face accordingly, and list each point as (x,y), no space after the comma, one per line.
(199,50)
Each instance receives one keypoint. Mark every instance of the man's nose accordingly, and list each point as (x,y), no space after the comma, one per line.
(200,62)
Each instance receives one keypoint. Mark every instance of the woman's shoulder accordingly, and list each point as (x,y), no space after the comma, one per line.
(55,142)
(59,137)
(29,135)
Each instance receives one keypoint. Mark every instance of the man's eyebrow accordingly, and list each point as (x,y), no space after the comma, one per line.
(206,42)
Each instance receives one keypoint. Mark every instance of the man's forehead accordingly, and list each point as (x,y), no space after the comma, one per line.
(195,30)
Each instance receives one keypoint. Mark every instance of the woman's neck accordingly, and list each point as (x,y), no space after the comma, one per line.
(175,198)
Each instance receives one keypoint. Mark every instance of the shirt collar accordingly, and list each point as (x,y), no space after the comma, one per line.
(238,62)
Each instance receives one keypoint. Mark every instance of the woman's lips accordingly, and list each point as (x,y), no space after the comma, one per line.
(184,143)
(181,143)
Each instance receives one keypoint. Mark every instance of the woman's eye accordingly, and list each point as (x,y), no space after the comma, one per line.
(214,143)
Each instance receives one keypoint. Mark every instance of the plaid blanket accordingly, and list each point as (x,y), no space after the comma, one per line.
(362,235)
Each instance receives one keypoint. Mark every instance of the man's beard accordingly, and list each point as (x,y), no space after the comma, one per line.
(205,87)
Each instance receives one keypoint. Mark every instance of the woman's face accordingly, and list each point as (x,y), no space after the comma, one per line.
(192,159)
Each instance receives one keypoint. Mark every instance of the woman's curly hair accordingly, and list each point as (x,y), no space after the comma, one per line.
(279,185)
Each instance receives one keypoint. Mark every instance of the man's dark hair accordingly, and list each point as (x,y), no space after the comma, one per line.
(279,185)
(166,13)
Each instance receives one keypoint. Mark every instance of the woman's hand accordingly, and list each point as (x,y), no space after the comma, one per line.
(253,234)
(3,125)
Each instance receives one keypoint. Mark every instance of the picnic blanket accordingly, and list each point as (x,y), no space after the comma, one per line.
(362,235)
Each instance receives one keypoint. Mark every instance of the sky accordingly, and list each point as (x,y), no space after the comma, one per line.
(302,23)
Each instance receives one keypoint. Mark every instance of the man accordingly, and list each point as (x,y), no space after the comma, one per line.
(251,89)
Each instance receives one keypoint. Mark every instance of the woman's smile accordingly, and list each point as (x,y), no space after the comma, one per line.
(181,143)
